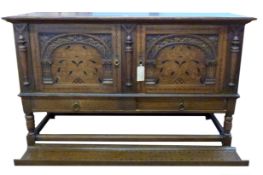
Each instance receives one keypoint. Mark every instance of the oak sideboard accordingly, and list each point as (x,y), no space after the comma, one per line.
(176,64)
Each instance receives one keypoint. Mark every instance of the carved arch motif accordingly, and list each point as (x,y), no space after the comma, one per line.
(201,57)
(62,40)
(167,40)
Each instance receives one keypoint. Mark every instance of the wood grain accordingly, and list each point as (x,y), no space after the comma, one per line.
(84,64)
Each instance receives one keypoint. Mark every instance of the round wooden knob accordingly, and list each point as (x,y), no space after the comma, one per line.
(76,107)
(181,106)
(116,62)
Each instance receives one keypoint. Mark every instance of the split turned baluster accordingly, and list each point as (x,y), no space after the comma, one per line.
(235,53)
(22,50)
(128,28)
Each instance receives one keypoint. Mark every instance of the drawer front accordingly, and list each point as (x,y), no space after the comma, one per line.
(129,104)
(182,104)
(182,58)
(75,57)
(81,105)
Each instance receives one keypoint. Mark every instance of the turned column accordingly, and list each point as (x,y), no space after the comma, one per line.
(30,124)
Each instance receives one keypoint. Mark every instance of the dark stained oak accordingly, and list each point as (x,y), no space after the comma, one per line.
(85,63)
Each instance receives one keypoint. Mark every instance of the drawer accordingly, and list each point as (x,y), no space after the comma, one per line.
(81,105)
(182,104)
(210,104)
(128,104)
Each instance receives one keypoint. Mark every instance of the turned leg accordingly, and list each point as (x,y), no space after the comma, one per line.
(30,123)
(227,130)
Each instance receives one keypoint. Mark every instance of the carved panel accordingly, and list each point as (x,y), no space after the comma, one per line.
(76,64)
(76,58)
(181,59)
(180,65)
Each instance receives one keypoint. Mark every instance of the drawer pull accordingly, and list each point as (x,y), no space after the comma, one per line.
(181,106)
(76,107)
(116,62)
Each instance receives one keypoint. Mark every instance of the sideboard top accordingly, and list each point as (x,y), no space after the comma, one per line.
(111,16)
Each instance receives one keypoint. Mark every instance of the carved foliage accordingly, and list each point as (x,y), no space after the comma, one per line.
(76,64)
(181,59)
(76,58)
(180,65)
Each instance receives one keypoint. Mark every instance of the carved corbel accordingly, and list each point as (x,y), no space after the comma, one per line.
(150,72)
(210,72)
(46,72)
(107,72)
